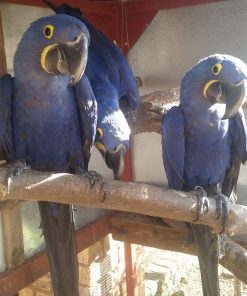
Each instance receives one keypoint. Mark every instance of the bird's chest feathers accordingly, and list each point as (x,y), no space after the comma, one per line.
(44,106)
(48,117)
(207,130)
(207,150)
(46,127)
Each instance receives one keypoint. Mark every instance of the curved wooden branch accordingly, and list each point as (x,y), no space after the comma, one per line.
(235,259)
(124,196)
(152,109)
(149,231)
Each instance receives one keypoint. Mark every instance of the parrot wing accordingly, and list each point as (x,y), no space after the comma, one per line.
(173,147)
(87,107)
(6,139)
(238,138)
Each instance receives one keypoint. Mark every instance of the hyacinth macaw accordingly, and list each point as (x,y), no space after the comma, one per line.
(204,143)
(115,89)
(48,118)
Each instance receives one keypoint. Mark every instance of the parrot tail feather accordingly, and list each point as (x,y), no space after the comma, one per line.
(208,254)
(59,233)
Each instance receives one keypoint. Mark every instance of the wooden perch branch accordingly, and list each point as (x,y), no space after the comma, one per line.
(235,259)
(152,109)
(124,196)
(152,232)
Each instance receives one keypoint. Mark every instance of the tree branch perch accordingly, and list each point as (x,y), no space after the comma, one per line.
(152,232)
(124,196)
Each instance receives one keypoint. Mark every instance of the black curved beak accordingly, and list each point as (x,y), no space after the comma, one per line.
(232,95)
(115,160)
(66,58)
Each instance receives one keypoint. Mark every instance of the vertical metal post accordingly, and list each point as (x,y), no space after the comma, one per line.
(130,283)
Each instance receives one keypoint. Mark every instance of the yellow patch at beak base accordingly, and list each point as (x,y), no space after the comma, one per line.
(100,132)
(100,146)
(44,53)
(206,87)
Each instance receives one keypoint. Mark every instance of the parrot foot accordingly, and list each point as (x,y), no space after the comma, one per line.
(222,208)
(15,168)
(96,177)
(202,204)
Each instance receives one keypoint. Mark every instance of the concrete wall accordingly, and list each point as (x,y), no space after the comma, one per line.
(177,38)
(16,19)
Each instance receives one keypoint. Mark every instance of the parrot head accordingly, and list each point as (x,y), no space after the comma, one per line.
(216,79)
(55,45)
(112,140)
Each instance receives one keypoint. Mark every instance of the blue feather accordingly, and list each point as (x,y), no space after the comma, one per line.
(52,127)
(7,151)
(173,147)
(111,79)
(200,148)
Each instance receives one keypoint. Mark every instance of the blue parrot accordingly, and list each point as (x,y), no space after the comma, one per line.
(48,118)
(115,89)
(204,144)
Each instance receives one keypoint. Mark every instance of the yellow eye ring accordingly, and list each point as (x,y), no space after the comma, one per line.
(99,132)
(216,69)
(48,31)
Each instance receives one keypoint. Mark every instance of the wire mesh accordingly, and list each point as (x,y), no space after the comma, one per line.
(157,273)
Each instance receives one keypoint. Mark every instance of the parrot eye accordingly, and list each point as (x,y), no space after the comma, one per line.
(48,31)
(99,133)
(216,69)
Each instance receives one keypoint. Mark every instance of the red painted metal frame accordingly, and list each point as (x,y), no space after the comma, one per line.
(32,269)
(129,272)
(114,6)
(122,21)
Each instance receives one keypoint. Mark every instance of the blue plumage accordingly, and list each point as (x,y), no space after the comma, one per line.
(51,114)
(204,143)
(203,153)
(7,151)
(106,63)
(46,120)
(173,147)
(112,80)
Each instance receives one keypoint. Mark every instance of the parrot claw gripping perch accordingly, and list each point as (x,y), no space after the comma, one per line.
(15,168)
(222,208)
(96,177)
(202,203)
(222,205)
